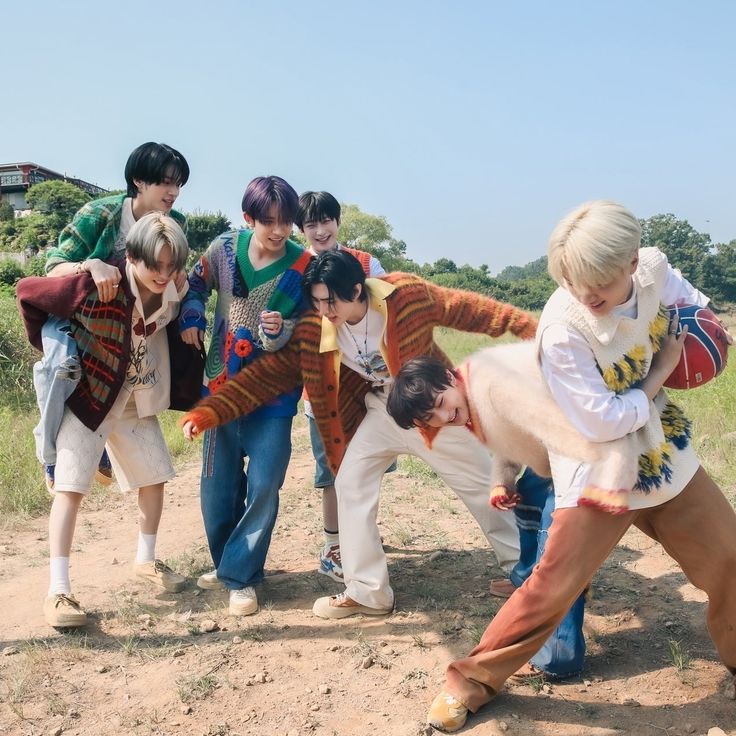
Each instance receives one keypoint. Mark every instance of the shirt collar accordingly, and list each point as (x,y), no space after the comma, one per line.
(378,290)
(169,296)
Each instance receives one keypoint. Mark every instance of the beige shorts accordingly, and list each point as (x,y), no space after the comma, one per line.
(136,446)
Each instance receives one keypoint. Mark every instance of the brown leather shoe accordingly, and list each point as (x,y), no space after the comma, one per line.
(502,588)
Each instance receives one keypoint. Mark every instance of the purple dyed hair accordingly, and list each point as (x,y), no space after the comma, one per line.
(265,191)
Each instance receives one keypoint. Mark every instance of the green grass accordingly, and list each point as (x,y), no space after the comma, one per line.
(712,409)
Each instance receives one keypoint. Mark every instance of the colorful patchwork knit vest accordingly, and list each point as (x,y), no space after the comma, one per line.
(623,348)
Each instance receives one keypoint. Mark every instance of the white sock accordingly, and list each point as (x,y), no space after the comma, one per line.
(331,538)
(59,582)
(146,548)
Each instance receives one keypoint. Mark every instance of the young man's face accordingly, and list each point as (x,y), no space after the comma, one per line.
(271,232)
(155,280)
(156,197)
(450,407)
(338,311)
(602,299)
(322,235)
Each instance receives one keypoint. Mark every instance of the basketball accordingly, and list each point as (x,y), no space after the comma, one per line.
(704,353)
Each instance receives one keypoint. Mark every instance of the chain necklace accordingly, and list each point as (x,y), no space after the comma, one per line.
(362,357)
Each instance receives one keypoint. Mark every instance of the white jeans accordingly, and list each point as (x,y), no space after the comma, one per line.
(456,456)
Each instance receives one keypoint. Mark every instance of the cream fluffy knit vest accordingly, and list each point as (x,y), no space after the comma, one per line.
(623,348)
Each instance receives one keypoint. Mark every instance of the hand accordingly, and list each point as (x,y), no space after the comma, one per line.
(668,356)
(503,499)
(665,361)
(190,430)
(193,336)
(180,279)
(106,278)
(729,336)
(272,322)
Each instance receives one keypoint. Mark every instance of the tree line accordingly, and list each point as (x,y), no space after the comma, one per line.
(710,266)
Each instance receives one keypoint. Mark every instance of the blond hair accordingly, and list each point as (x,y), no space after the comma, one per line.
(151,233)
(592,243)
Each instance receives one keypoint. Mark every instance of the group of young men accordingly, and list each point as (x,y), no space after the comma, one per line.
(327,321)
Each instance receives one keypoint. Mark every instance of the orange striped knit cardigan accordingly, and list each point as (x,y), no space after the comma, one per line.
(412,308)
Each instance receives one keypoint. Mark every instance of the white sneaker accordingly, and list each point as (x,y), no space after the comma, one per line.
(330,563)
(243,602)
(210,581)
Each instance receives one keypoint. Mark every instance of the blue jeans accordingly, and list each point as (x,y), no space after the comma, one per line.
(239,507)
(55,377)
(562,655)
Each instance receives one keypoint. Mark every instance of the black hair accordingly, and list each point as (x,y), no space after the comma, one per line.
(315,207)
(264,192)
(414,390)
(339,271)
(152,163)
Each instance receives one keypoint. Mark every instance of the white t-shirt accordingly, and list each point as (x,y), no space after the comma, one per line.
(360,345)
(126,222)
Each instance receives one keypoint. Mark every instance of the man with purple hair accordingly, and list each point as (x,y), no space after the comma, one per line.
(257,273)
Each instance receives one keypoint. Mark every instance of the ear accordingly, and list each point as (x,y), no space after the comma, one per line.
(139,184)
(453,378)
(634,264)
(357,291)
(249,220)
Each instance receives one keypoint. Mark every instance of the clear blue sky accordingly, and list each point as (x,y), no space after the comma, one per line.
(471,126)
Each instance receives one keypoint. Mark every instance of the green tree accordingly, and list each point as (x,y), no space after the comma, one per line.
(204,227)
(361,230)
(58,200)
(685,247)
(7,213)
(719,273)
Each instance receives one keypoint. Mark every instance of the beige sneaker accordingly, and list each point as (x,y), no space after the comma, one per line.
(63,611)
(210,581)
(447,713)
(342,606)
(243,602)
(158,573)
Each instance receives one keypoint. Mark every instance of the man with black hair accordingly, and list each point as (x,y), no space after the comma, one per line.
(154,175)
(346,352)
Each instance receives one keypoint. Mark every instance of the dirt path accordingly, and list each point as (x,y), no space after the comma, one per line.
(147,665)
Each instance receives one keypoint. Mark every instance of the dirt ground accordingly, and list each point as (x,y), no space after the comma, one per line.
(160,663)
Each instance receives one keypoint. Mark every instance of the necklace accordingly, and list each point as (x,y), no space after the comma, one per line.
(362,357)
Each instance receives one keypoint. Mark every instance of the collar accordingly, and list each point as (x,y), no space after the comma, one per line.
(378,290)
(473,424)
(604,328)
(169,296)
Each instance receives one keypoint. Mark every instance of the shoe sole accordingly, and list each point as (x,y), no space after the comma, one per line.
(237,612)
(335,613)
(170,588)
(72,621)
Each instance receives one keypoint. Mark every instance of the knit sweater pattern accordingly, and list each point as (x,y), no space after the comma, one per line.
(623,348)
(93,232)
(411,308)
(242,294)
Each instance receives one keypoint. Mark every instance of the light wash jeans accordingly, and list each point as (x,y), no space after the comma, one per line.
(55,377)
(239,507)
(563,654)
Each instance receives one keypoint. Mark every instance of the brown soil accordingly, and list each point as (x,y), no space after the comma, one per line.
(146,666)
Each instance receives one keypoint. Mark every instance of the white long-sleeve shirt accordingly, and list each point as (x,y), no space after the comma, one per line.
(570,369)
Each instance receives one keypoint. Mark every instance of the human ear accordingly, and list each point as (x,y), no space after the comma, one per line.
(634,264)
(357,291)
(249,220)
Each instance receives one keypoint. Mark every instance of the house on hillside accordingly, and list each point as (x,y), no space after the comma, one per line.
(15,179)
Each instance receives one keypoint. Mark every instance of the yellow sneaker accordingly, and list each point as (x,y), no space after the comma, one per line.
(158,573)
(447,713)
(63,611)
